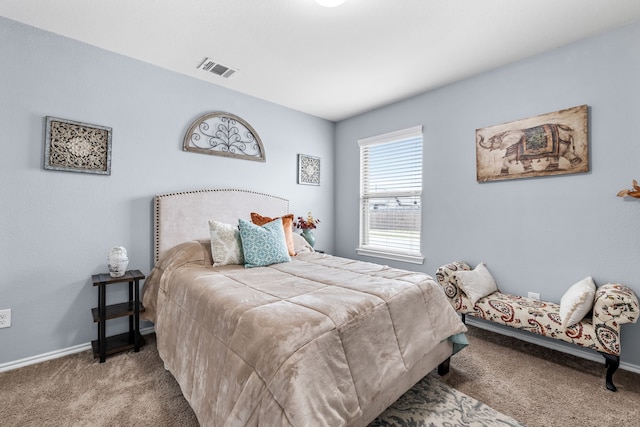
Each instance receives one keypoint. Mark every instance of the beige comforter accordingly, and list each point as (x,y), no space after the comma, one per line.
(305,343)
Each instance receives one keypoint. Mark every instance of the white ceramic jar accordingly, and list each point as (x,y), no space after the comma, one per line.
(117,261)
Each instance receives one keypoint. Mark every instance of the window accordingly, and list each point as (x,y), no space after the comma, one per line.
(390,195)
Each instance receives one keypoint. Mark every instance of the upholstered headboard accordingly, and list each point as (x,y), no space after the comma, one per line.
(181,217)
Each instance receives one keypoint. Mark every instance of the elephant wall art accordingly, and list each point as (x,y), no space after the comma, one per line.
(550,144)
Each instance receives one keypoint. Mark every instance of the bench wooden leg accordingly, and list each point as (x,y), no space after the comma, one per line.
(611,363)
(443,368)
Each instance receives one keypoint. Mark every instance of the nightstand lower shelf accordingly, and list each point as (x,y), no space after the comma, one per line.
(116,344)
(105,346)
(116,310)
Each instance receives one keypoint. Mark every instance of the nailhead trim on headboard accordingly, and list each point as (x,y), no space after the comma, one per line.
(252,203)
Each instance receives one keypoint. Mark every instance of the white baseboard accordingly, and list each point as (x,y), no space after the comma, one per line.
(8,366)
(548,343)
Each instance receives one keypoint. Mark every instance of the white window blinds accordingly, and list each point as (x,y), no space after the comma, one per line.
(390,195)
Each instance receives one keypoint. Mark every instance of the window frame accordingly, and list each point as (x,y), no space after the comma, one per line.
(409,256)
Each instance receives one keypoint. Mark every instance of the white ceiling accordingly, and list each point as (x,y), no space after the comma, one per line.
(329,62)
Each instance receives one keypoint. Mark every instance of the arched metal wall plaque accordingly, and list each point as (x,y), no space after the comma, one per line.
(224,134)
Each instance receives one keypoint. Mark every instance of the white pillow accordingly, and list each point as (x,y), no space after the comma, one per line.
(577,302)
(226,246)
(476,283)
(300,244)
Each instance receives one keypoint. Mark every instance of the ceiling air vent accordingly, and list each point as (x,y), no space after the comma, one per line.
(216,68)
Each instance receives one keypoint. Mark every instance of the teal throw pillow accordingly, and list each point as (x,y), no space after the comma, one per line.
(263,245)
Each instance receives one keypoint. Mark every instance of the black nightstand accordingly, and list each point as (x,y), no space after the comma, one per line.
(105,346)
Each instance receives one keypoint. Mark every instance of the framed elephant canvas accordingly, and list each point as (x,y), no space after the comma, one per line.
(550,144)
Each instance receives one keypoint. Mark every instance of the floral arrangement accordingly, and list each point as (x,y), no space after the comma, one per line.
(634,192)
(306,223)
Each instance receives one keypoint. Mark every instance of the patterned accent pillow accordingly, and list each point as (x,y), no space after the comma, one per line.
(577,302)
(476,283)
(226,247)
(263,245)
(287,224)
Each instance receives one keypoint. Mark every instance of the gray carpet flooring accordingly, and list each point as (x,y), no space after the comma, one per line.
(496,380)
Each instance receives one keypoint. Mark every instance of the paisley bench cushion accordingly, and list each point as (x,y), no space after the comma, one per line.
(612,305)
(543,318)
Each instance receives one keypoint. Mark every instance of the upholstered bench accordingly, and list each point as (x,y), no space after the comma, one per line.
(607,308)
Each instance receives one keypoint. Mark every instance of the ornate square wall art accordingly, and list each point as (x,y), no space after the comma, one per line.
(308,170)
(550,144)
(77,147)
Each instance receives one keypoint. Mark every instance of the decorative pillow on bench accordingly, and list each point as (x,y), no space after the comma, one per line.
(577,302)
(476,283)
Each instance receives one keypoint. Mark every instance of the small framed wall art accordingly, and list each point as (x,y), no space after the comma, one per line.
(77,147)
(308,170)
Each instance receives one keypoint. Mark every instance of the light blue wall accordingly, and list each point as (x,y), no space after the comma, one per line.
(541,234)
(56,228)
(537,235)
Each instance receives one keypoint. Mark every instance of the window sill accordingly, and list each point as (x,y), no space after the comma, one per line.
(413,259)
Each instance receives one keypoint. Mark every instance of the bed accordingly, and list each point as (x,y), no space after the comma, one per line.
(316,340)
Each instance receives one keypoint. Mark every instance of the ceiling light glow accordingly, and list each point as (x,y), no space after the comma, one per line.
(330,3)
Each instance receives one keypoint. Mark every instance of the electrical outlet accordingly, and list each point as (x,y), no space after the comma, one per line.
(5,318)
(534,295)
